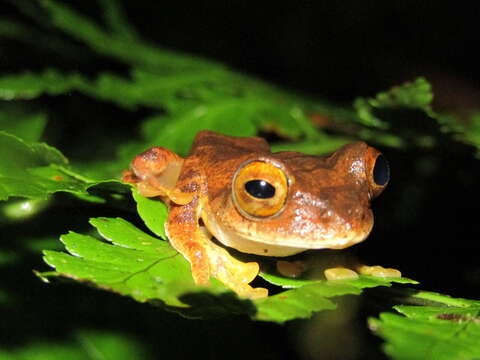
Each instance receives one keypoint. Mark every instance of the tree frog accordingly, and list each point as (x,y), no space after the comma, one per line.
(258,202)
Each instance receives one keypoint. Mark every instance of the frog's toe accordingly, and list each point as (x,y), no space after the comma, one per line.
(248,271)
(237,276)
(379,271)
(243,289)
(340,273)
(252,293)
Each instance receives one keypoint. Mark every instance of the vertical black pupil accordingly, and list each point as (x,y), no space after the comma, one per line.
(260,189)
(381,171)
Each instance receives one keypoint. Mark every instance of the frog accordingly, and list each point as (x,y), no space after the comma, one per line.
(235,193)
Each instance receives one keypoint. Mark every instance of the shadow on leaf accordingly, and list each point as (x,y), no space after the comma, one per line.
(204,305)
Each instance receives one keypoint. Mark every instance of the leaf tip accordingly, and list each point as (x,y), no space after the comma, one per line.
(42,275)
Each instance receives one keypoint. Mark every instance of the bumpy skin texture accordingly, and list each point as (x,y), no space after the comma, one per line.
(327,203)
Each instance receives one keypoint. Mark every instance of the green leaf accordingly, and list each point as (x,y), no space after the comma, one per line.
(241,108)
(28,127)
(443,328)
(300,303)
(237,117)
(382,138)
(308,296)
(221,117)
(412,95)
(116,44)
(136,264)
(324,145)
(361,283)
(86,344)
(116,20)
(31,173)
(416,96)
(211,97)
(465,131)
(29,85)
(21,209)
(140,266)
(37,170)
(182,84)
(152,211)
(196,93)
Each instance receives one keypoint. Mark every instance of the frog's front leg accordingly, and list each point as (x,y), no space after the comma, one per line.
(161,172)
(187,238)
(205,257)
(155,173)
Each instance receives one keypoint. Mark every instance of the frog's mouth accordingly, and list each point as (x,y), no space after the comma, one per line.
(288,247)
(267,246)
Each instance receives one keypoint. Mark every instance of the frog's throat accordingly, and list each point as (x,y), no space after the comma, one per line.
(271,247)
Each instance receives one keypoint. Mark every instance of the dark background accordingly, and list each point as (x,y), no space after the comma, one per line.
(426,221)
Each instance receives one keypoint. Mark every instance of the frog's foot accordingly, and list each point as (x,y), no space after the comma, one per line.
(155,173)
(208,259)
(379,271)
(233,273)
(215,261)
(340,273)
(237,276)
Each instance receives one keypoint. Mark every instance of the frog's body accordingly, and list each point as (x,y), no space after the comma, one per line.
(258,202)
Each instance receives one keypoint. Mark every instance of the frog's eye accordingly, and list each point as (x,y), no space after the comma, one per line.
(260,189)
(378,171)
(381,171)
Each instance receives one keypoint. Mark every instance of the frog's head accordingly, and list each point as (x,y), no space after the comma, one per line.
(283,203)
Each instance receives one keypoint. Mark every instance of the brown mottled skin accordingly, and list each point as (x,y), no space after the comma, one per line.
(327,203)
